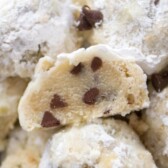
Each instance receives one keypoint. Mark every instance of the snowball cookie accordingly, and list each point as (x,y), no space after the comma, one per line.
(29,29)
(25,149)
(155,40)
(104,144)
(124,22)
(141,24)
(86,84)
(156,136)
(11,89)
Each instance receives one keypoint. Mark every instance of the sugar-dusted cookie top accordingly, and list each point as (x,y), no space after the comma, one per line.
(29,29)
(104,144)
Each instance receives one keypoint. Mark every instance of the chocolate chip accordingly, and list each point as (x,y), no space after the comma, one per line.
(160,81)
(88,18)
(92,16)
(49,120)
(77,69)
(96,63)
(57,102)
(156,2)
(90,96)
(83,23)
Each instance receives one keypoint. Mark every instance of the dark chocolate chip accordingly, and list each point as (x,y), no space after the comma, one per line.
(77,69)
(92,16)
(119,117)
(160,81)
(57,102)
(96,63)
(90,96)
(49,120)
(83,23)
(88,18)
(156,2)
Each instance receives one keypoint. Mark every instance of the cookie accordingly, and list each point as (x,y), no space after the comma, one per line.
(31,29)
(25,149)
(22,158)
(11,89)
(156,135)
(129,25)
(105,143)
(77,87)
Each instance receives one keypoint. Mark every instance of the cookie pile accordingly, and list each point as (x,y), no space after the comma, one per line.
(84,84)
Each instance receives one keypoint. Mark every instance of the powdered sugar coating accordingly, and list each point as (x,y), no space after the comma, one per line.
(103,144)
(137,23)
(28,146)
(156,136)
(30,29)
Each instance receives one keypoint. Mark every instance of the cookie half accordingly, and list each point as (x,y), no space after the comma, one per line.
(86,84)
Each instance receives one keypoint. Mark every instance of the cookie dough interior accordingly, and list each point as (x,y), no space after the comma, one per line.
(81,86)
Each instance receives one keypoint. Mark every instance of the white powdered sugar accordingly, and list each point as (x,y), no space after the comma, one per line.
(139,24)
(29,29)
(96,145)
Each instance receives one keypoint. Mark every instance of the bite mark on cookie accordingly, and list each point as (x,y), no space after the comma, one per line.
(77,69)
(90,97)
(49,120)
(57,102)
(96,64)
